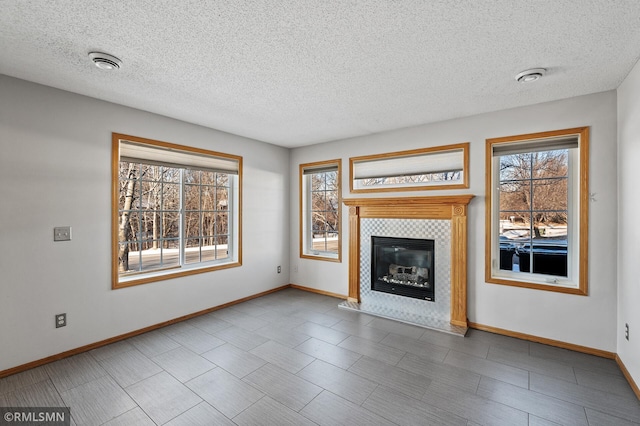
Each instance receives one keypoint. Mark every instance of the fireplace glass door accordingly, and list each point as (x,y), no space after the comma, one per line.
(403,266)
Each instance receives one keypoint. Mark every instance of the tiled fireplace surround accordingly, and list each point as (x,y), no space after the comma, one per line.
(442,219)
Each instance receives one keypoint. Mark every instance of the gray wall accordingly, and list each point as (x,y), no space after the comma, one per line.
(628,222)
(588,321)
(55,171)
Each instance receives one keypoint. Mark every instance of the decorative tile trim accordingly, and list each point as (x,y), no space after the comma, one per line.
(394,306)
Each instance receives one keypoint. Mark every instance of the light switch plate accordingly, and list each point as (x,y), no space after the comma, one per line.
(62,233)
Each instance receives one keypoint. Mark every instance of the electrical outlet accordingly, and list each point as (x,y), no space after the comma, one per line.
(62,233)
(61,320)
(279,269)
(626,331)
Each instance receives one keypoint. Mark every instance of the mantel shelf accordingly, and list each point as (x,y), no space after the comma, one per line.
(409,201)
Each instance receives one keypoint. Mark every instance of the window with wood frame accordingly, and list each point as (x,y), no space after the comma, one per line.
(320,210)
(537,194)
(440,167)
(176,210)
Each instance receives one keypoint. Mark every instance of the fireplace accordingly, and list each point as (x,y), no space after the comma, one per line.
(403,266)
(439,220)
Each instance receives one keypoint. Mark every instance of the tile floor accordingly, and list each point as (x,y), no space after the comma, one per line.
(294,358)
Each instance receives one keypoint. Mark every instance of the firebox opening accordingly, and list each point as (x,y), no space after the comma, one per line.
(403,266)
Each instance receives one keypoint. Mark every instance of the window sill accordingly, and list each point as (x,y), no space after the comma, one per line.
(167,274)
(325,257)
(557,288)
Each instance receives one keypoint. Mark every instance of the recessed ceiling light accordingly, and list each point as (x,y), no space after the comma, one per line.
(105,61)
(527,76)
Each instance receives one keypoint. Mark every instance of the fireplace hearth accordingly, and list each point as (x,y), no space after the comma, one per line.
(403,266)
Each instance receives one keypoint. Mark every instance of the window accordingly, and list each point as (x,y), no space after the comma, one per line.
(176,210)
(320,199)
(537,210)
(442,167)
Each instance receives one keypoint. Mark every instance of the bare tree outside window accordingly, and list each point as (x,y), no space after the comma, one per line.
(410,179)
(324,211)
(151,200)
(127,181)
(533,191)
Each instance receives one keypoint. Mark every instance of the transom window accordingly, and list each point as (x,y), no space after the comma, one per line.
(441,167)
(537,211)
(320,196)
(176,210)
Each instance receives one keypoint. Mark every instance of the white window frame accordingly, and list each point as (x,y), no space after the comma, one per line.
(576,281)
(306,239)
(150,152)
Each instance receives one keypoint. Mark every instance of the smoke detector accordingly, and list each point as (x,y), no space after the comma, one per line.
(528,76)
(105,61)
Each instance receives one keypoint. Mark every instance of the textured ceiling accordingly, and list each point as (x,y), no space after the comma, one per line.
(298,72)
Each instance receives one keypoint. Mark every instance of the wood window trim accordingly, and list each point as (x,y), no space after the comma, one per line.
(301,187)
(169,273)
(582,215)
(399,154)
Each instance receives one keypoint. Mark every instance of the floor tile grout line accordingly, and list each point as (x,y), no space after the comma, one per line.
(247,408)
(528,390)
(370,393)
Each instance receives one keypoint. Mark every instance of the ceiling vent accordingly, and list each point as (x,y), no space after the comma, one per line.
(528,76)
(105,61)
